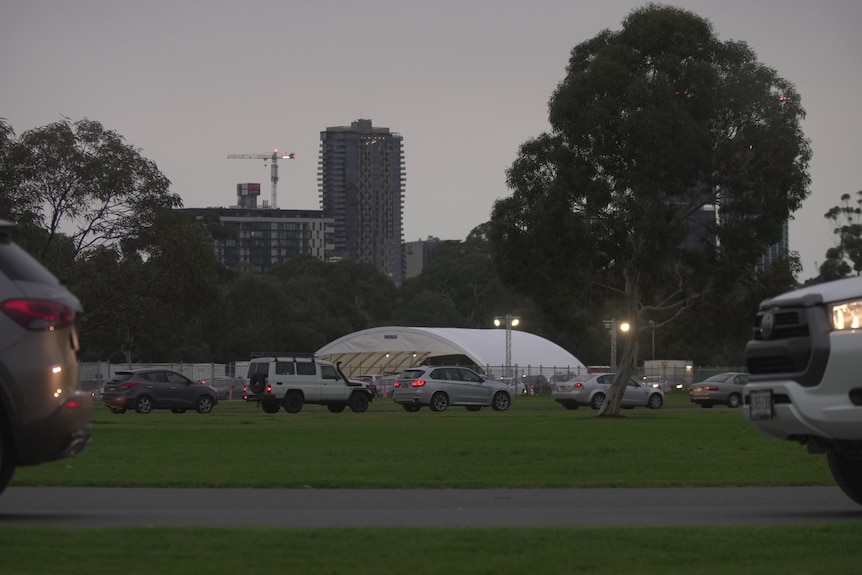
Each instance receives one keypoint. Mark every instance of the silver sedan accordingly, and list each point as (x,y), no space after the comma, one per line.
(723,388)
(593,389)
(438,387)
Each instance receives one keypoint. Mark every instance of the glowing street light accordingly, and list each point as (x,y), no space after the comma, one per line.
(508,321)
(614,326)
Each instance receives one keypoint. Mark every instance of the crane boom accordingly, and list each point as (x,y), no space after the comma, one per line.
(274,157)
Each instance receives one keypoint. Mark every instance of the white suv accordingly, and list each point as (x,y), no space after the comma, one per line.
(805,385)
(291,380)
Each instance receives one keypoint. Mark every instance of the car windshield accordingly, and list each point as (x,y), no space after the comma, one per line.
(411,374)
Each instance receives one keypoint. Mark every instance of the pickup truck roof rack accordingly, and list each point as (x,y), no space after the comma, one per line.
(281,354)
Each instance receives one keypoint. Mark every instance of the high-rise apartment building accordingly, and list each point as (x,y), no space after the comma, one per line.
(361,182)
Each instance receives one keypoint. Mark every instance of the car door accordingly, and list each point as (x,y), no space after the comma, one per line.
(448,379)
(636,394)
(474,390)
(156,386)
(181,391)
(333,387)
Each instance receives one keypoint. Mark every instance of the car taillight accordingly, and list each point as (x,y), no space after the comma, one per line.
(39,314)
(578,384)
(128,385)
(711,388)
(269,388)
(417,383)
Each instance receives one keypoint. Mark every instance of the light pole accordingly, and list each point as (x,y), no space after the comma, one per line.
(508,321)
(613,325)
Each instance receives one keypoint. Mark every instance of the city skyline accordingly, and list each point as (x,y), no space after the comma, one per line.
(464,83)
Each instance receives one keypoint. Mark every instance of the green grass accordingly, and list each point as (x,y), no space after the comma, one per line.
(535,444)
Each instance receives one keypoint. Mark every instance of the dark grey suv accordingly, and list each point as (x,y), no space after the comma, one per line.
(43,415)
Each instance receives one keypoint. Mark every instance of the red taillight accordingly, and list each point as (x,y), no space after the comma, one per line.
(711,388)
(39,314)
(269,388)
(578,384)
(417,383)
(128,385)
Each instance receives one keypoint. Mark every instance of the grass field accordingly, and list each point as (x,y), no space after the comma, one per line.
(535,444)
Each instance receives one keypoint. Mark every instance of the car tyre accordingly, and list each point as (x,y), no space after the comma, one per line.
(733,401)
(144,404)
(204,404)
(257,383)
(411,408)
(178,410)
(335,407)
(846,469)
(655,401)
(439,401)
(292,402)
(7,466)
(358,402)
(501,401)
(270,406)
(597,401)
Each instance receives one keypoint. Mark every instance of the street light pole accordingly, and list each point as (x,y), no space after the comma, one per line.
(613,325)
(508,321)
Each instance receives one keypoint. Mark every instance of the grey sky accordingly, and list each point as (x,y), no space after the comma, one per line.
(464,82)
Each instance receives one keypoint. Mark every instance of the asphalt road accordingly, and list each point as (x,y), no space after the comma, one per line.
(91,507)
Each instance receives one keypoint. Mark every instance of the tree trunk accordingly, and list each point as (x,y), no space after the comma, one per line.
(630,344)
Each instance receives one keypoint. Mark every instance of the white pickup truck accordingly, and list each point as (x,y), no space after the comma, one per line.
(805,362)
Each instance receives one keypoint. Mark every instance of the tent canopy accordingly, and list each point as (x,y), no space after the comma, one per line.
(391,349)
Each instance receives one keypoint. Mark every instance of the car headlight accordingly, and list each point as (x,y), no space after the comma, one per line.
(847,315)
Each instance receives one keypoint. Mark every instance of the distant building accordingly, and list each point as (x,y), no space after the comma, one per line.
(258,239)
(417,255)
(361,183)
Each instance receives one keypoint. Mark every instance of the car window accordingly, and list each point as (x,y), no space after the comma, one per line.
(284,368)
(412,374)
(261,367)
(470,376)
(155,376)
(175,377)
(18,265)
(605,379)
(328,372)
(305,368)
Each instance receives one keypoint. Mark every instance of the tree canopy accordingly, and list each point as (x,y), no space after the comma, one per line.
(673,162)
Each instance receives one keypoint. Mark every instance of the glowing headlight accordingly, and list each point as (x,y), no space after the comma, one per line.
(847,315)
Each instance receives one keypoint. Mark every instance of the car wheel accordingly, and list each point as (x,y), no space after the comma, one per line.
(501,401)
(178,410)
(335,407)
(474,407)
(204,404)
(118,409)
(597,401)
(270,406)
(292,402)
(7,466)
(846,469)
(358,402)
(411,407)
(144,404)
(733,401)
(655,401)
(257,383)
(439,401)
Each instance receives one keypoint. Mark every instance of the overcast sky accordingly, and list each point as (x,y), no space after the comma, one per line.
(464,82)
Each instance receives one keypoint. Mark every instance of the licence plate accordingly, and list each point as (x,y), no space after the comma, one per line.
(760,404)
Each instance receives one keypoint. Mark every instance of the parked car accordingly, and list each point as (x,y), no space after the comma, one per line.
(147,389)
(371,380)
(535,384)
(723,388)
(592,390)
(657,381)
(225,387)
(43,414)
(386,385)
(438,387)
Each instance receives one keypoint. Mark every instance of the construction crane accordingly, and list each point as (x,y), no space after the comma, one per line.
(274,157)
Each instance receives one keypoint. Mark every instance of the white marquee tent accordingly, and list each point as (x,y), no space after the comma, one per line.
(391,349)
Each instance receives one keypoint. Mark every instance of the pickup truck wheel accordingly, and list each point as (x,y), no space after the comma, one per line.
(439,401)
(411,408)
(270,406)
(501,401)
(358,402)
(336,407)
(733,401)
(293,402)
(846,469)
(257,383)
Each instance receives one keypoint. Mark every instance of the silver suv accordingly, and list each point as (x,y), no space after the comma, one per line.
(291,380)
(805,382)
(43,415)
